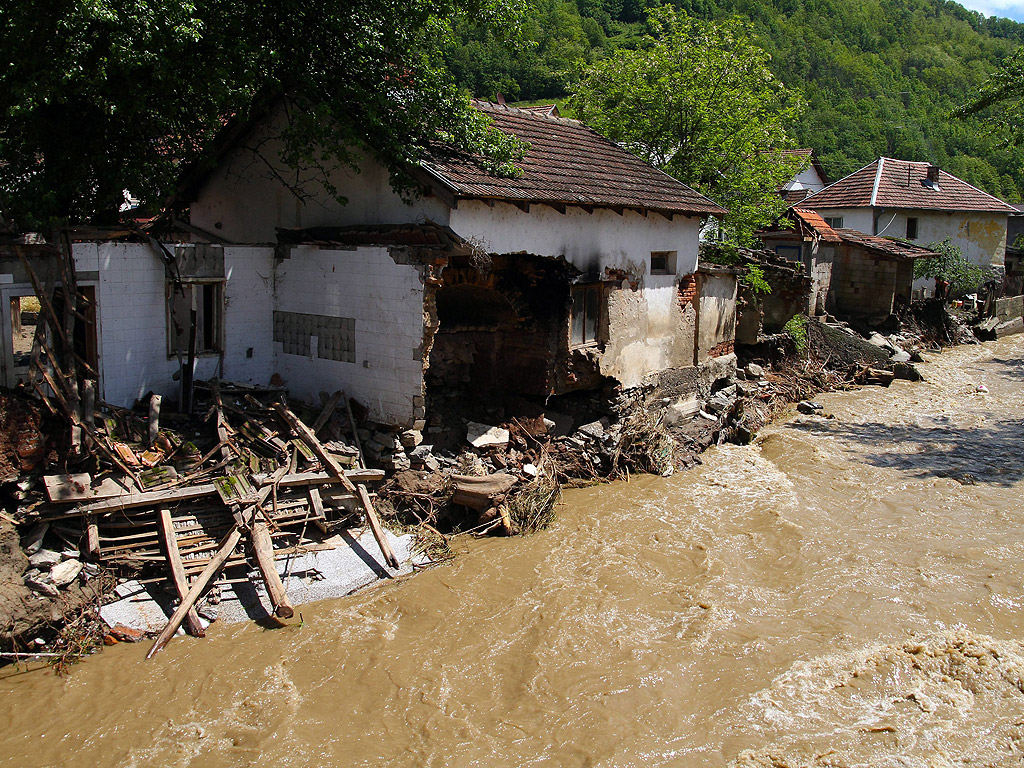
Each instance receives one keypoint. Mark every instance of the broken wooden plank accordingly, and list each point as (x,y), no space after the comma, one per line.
(149,498)
(92,537)
(317,505)
(263,549)
(327,412)
(325,478)
(355,431)
(170,541)
(79,487)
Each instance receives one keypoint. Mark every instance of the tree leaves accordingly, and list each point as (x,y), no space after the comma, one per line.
(699,100)
(102,96)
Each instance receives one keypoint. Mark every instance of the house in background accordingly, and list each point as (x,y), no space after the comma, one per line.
(854,276)
(580,273)
(918,202)
(809,179)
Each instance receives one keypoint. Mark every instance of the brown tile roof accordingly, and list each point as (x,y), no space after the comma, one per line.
(883,246)
(888,183)
(812,220)
(568,164)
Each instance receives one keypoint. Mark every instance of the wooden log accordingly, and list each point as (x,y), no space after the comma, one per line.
(263,548)
(479,492)
(170,541)
(154,420)
(378,532)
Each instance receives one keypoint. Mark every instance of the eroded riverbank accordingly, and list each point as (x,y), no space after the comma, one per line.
(851,585)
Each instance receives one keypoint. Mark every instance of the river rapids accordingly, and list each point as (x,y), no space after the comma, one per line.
(846,591)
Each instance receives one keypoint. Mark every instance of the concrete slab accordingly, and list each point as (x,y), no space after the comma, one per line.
(355,562)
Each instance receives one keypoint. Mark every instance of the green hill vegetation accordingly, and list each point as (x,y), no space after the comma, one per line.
(880,77)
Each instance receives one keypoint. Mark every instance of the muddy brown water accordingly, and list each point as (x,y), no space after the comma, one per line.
(843,592)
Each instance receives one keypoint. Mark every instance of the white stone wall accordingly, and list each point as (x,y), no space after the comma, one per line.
(131,320)
(244,200)
(591,242)
(386,301)
(981,237)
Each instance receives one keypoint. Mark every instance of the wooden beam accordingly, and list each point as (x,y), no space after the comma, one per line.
(226,549)
(378,532)
(263,549)
(524,207)
(170,541)
(355,431)
(560,207)
(335,469)
(317,504)
(150,498)
(327,412)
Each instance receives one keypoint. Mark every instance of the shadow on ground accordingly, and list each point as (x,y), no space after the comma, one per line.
(993,455)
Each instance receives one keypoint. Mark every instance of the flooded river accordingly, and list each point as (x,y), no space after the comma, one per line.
(846,591)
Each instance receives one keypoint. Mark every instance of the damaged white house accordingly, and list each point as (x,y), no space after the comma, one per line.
(579,273)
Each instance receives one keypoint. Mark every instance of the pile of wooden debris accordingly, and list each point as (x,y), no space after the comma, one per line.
(162,507)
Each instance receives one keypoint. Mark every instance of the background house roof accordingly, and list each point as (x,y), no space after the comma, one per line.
(889,183)
(812,220)
(883,246)
(568,164)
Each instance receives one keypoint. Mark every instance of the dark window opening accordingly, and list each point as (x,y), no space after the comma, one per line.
(836,222)
(663,262)
(585,316)
(911,229)
(206,300)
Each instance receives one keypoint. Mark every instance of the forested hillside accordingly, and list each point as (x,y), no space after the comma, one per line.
(880,77)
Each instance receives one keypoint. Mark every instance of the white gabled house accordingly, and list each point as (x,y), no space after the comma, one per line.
(581,272)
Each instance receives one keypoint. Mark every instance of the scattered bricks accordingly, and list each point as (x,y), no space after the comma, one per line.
(109,640)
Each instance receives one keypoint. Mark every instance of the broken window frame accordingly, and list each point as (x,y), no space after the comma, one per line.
(209,332)
(586,314)
(663,262)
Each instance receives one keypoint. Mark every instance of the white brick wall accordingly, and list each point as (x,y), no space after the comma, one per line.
(132,325)
(386,300)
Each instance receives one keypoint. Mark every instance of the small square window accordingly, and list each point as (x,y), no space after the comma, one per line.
(836,222)
(585,314)
(911,229)
(207,299)
(663,262)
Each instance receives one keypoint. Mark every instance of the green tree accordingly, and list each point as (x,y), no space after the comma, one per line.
(952,266)
(102,96)
(699,101)
(1000,101)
